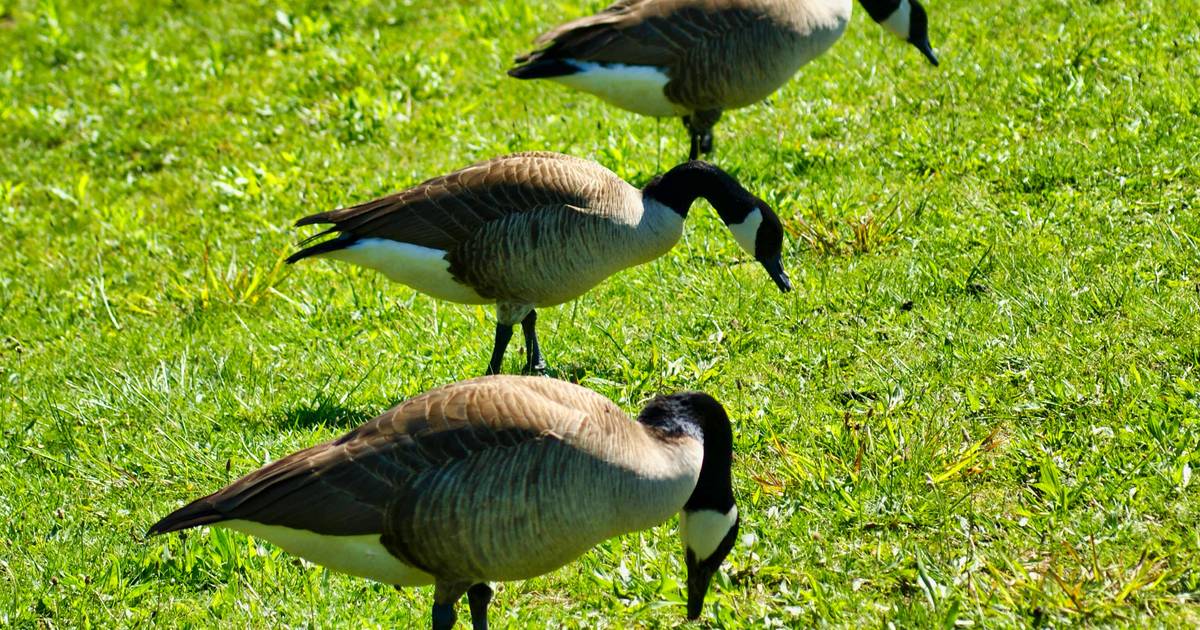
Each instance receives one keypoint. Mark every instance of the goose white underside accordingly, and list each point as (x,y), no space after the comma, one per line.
(638,89)
(363,556)
(422,268)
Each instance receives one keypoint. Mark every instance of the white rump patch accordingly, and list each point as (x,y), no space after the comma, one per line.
(638,89)
(422,268)
(702,531)
(363,556)
(898,21)
(746,232)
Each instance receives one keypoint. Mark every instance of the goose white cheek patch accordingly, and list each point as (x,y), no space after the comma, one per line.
(702,531)
(746,232)
(898,21)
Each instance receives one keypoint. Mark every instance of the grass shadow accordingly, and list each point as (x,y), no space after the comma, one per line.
(613,380)
(571,373)
(321,412)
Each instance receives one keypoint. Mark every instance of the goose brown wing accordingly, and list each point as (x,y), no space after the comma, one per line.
(346,486)
(445,211)
(643,32)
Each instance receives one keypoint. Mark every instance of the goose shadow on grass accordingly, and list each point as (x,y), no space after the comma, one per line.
(331,414)
(581,373)
(570,373)
(321,413)
(577,373)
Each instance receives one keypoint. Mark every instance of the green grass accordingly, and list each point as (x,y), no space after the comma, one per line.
(980,406)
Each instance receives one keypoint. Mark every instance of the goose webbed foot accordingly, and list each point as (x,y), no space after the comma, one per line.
(503,335)
(478,598)
(534,363)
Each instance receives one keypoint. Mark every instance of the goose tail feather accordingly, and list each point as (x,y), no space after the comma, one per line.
(197,513)
(543,69)
(324,247)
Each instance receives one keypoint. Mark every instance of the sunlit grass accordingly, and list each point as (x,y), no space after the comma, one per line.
(980,405)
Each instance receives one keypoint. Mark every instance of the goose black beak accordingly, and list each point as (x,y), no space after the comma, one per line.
(774,267)
(922,44)
(699,577)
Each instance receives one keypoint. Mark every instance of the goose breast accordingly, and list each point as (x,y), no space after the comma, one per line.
(749,62)
(552,255)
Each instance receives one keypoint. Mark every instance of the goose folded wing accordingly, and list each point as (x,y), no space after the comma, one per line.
(642,32)
(445,211)
(345,487)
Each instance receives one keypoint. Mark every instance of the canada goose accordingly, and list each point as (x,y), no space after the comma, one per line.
(492,479)
(695,58)
(536,229)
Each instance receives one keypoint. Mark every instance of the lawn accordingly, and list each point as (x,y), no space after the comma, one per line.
(980,406)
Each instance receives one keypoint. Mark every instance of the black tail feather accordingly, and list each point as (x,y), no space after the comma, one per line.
(315,219)
(324,247)
(309,239)
(543,69)
(197,513)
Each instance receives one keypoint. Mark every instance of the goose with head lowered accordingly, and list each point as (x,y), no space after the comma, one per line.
(697,58)
(493,479)
(531,230)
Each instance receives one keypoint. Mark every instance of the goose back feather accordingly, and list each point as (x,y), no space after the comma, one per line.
(444,211)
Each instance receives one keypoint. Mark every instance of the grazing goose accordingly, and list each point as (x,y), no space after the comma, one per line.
(695,58)
(492,479)
(536,229)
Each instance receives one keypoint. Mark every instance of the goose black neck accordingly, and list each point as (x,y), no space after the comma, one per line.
(879,10)
(679,187)
(699,416)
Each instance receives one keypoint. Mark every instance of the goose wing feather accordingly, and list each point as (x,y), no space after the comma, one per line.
(348,485)
(445,211)
(643,32)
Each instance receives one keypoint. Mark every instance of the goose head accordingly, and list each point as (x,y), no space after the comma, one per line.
(708,522)
(754,225)
(905,19)
(759,232)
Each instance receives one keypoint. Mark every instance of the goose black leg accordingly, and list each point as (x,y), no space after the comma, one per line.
(444,616)
(705,142)
(503,335)
(534,364)
(444,598)
(478,598)
(699,126)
